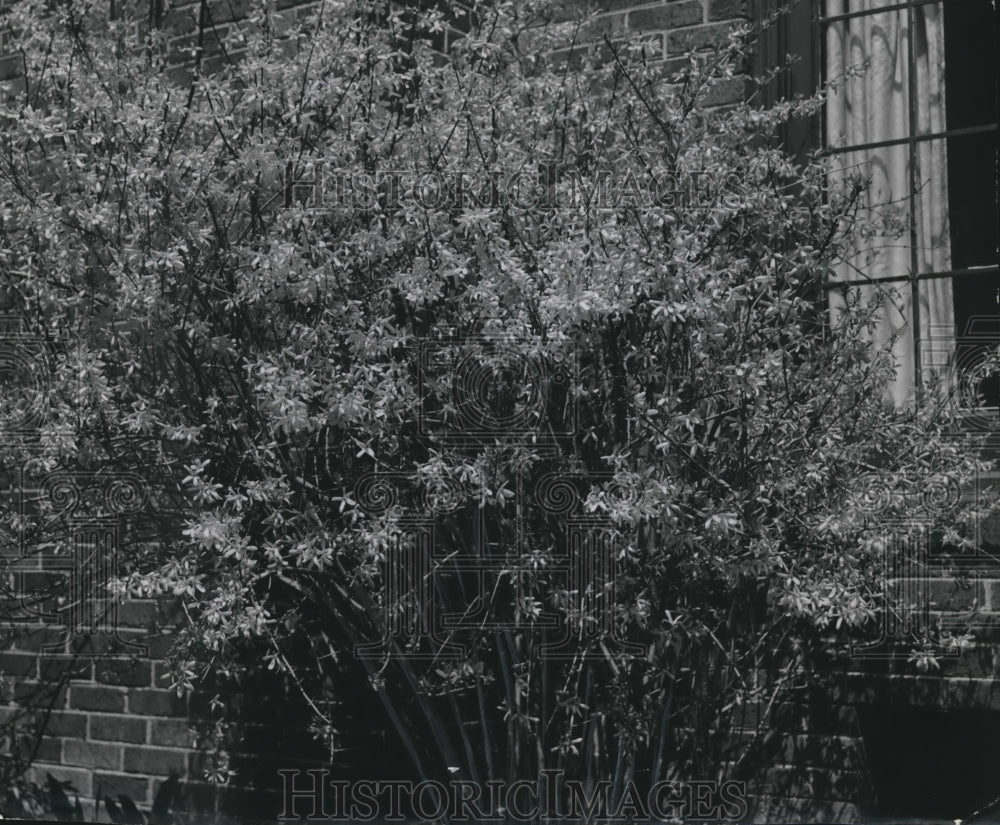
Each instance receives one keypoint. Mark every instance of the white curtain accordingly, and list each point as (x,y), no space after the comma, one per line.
(874,106)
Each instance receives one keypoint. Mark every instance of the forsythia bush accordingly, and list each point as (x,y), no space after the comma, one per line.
(501,387)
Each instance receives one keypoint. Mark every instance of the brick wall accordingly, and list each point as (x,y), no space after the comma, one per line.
(668,29)
(110,724)
(809,763)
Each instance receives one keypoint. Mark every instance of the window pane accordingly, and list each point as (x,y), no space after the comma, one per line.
(977,332)
(876,106)
(889,307)
(971,63)
(880,239)
(898,218)
(835,7)
(866,59)
(972,188)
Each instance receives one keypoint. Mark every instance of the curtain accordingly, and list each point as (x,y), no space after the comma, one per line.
(910,181)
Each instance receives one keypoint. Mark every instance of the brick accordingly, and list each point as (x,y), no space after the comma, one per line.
(44,695)
(211,65)
(307,10)
(948,594)
(80,777)
(12,83)
(979,662)
(62,723)
(820,784)
(611,25)
(134,787)
(819,751)
(989,527)
(565,12)
(11,66)
(19,665)
(159,645)
(161,675)
(665,18)
(698,37)
(92,754)
(767,808)
(728,90)
(155,761)
(128,672)
(137,613)
(157,703)
(171,733)
(108,699)
(282,23)
(117,728)
(571,59)
(66,667)
(179,49)
(824,718)
(37,638)
(181,21)
(613,5)
(9,715)
(225,11)
(652,43)
(49,749)
(123,642)
(726,9)
(37,583)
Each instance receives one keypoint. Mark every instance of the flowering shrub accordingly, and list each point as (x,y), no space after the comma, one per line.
(328,287)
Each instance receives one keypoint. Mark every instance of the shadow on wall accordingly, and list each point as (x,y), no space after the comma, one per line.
(933,763)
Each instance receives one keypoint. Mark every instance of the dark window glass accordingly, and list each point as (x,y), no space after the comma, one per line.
(971,75)
(972,200)
(970,47)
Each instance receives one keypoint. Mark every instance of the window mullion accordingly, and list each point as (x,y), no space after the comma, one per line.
(882,144)
(921,276)
(914,203)
(850,15)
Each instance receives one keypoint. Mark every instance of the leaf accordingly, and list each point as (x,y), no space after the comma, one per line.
(131,814)
(58,800)
(160,813)
(113,810)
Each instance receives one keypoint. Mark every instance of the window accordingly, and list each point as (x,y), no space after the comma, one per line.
(921,122)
